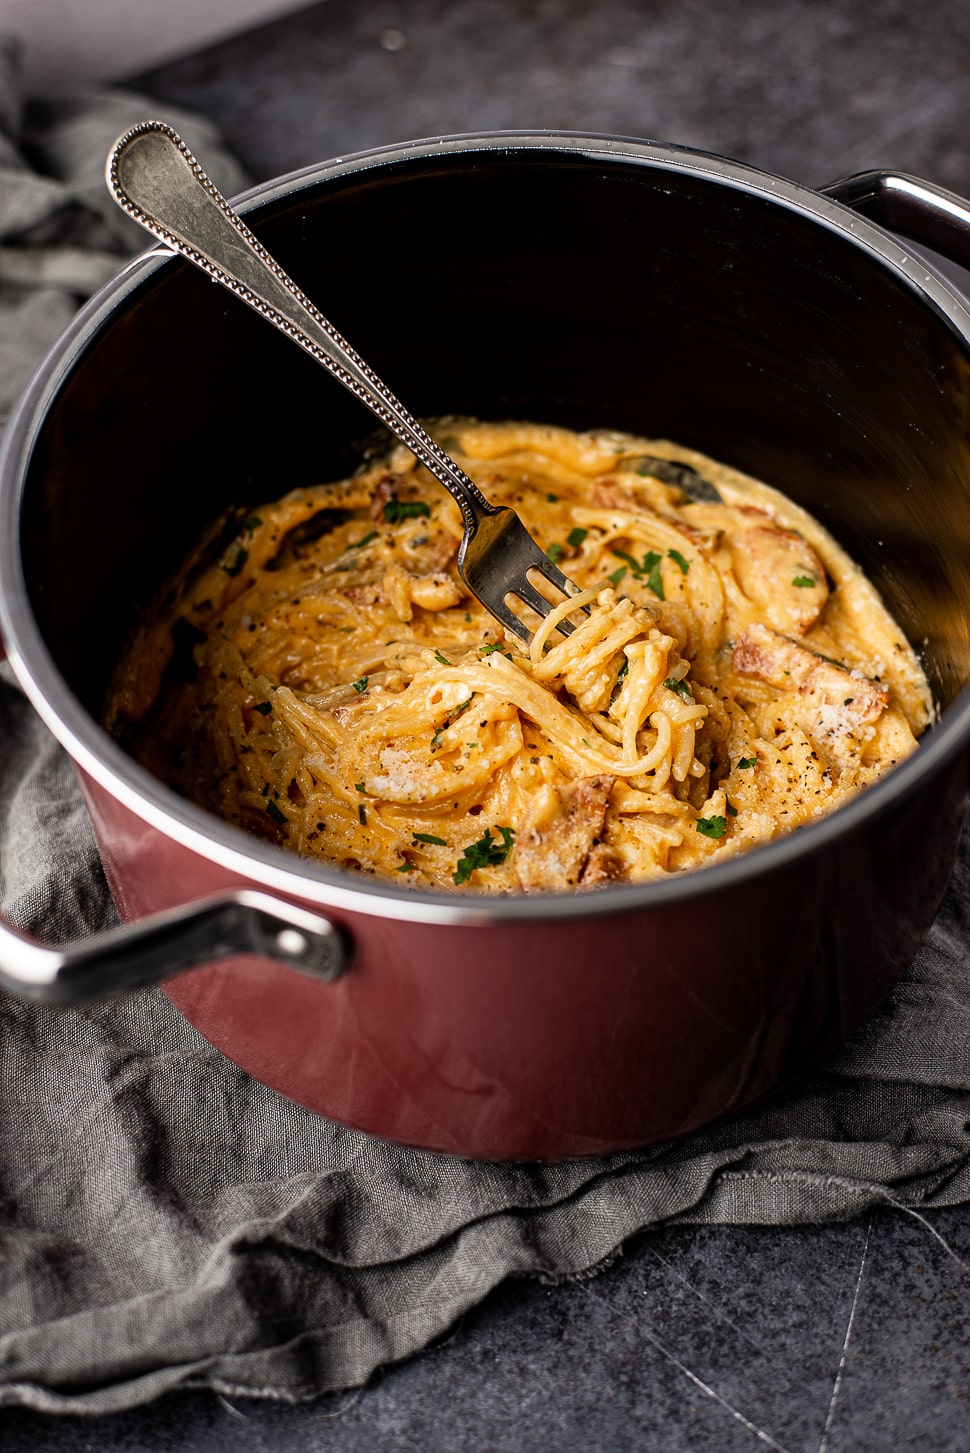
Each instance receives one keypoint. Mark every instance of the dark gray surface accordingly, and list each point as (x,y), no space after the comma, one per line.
(853,1337)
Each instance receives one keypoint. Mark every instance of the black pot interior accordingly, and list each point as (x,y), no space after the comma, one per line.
(530,284)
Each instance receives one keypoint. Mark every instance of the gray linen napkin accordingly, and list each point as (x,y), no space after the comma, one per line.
(165,1221)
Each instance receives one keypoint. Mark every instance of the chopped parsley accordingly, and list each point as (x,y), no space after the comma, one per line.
(745,762)
(428,837)
(832,661)
(487,852)
(361,684)
(449,720)
(495,646)
(552,498)
(647,569)
(360,787)
(238,561)
(442,660)
(576,537)
(404,509)
(554,552)
(805,581)
(263,707)
(404,868)
(682,565)
(714,827)
(362,814)
(732,811)
(617,576)
(680,687)
(274,812)
(359,544)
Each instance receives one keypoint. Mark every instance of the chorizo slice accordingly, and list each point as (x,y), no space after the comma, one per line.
(780,573)
(553,854)
(838,702)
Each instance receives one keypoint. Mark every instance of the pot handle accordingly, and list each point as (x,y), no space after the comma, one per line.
(914,208)
(243,922)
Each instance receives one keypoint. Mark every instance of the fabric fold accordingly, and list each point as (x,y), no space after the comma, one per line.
(167,1222)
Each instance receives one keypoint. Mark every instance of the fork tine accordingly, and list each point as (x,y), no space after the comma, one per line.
(555,577)
(509,619)
(528,595)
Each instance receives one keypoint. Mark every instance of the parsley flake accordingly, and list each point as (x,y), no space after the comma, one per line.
(360,787)
(576,537)
(647,569)
(745,762)
(274,812)
(682,564)
(361,684)
(442,660)
(428,837)
(651,566)
(487,852)
(680,687)
(237,562)
(263,707)
(554,552)
(714,827)
(362,814)
(359,544)
(404,509)
(617,576)
(805,581)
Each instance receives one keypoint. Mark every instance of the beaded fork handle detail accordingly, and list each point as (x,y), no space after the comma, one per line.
(157,181)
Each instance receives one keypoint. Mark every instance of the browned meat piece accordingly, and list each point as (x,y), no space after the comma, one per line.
(838,702)
(385,491)
(602,866)
(609,492)
(553,855)
(781,573)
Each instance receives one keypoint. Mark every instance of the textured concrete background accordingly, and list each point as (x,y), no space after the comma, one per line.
(809,88)
(808,1340)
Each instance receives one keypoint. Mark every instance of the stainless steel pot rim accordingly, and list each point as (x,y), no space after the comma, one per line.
(304,879)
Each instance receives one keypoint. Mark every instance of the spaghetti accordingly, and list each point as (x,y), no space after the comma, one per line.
(328,682)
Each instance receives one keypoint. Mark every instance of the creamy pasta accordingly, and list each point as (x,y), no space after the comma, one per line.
(327,681)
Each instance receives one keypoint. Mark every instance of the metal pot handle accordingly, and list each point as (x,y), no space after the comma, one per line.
(244,922)
(914,208)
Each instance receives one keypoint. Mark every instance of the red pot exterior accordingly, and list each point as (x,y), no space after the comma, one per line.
(642,288)
(576,1037)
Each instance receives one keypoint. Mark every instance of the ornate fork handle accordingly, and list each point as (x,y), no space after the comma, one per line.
(154,177)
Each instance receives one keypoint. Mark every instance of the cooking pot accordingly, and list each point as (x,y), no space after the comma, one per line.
(568,279)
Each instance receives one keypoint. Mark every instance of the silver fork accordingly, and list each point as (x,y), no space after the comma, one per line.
(154,177)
